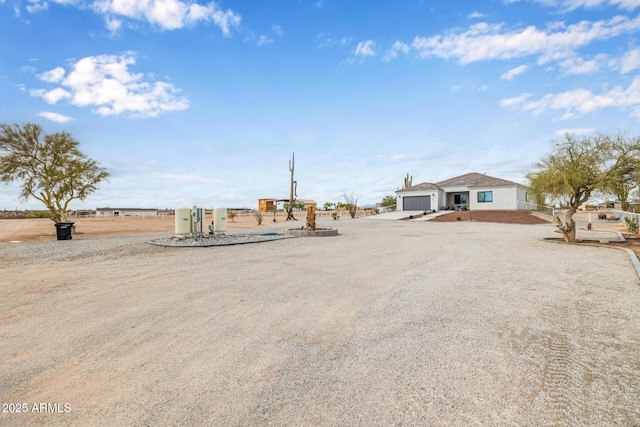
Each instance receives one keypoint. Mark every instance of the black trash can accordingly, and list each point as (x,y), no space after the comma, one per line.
(63,230)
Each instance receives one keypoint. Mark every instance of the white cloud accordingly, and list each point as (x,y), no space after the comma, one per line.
(328,41)
(579,131)
(36,6)
(262,40)
(510,102)
(277,29)
(319,4)
(51,96)
(113,24)
(393,52)
(52,76)
(469,84)
(630,61)
(365,48)
(510,74)
(575,4)
(27,69)
(105,83)
(55,117)
(482,41)
(582,101)
(569,5)
(186,177)
(580,66)
(169,14)
(476,15)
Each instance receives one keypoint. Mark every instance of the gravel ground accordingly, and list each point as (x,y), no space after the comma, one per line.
(388,323)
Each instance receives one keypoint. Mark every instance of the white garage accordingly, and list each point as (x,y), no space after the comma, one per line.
(416,203)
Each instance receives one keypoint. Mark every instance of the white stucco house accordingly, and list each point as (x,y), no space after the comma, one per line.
(475,191)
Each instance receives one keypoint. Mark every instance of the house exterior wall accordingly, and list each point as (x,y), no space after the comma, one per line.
(442,200)
(504,198)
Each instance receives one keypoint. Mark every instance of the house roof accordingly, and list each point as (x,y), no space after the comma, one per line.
(425,186)
(475,179)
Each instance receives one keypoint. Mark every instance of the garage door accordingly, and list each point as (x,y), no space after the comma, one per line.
(417,203)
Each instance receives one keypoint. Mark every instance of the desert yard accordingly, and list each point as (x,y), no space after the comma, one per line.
(388,323)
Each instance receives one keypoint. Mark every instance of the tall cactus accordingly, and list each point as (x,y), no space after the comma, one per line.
(408,181)
(294,188)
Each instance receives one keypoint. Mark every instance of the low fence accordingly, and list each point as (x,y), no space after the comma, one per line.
(526,206)
(624,214)
(319,214)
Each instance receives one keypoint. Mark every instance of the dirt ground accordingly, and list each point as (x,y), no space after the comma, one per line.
(388,323)
(40,230)
(504,217)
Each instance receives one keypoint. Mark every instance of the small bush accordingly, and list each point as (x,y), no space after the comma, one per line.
(259,217)
(632,225)
(602,216)
(231,215)
(39,214)
(335,215)
(458,218)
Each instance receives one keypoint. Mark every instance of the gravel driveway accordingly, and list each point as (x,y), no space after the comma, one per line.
(389,323)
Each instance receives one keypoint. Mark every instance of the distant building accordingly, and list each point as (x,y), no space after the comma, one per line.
(120,212)
(270,204)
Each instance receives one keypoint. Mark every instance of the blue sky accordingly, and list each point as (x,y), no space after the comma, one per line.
(203,103)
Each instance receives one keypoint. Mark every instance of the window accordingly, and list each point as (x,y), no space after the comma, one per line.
(485,196)
(460,199)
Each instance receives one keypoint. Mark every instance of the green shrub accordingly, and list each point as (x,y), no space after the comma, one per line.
(458,218)
(335,215)
(258,216)
(632,225)
(39,214)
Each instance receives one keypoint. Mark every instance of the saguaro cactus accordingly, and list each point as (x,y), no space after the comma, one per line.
(408,181)
(294,188)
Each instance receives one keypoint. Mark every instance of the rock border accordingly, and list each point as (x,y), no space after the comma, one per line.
(296,232)
(217,240)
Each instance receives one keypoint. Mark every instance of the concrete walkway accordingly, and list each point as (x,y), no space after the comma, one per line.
(398,215)
(395,215)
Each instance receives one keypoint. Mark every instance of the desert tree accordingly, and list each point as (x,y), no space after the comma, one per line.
(575,170)
(351,204)
(388,201)
(624,164)
(49,167)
